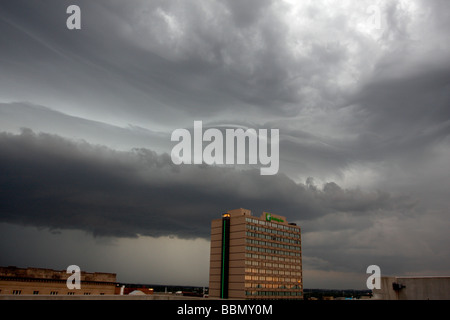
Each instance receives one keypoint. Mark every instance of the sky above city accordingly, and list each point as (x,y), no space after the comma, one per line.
(359,91)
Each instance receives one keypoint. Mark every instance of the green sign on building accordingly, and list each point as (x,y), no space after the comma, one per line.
(269,217)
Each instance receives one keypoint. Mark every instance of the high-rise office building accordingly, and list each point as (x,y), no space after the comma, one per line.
(255,257)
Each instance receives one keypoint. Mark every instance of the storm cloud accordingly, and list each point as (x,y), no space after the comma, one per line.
(53,182)
(359,90)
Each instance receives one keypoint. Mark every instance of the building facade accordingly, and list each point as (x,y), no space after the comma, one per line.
(39,281)
(413,288)
(255,257)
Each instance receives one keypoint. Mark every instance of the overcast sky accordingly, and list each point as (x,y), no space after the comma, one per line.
(360,91)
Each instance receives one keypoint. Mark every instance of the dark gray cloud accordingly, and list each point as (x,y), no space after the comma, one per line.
(53,182)
(17,115)
(152,58)
(362,108)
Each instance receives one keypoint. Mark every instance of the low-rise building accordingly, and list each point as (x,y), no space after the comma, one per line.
(413,288)
(39,281)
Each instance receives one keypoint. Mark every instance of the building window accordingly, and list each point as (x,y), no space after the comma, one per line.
(70,293)
(35,292)
(17,292)
(53,293)
(87,293)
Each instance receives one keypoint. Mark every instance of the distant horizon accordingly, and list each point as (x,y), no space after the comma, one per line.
(176,285)
(207,286)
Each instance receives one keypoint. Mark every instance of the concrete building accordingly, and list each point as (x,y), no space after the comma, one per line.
(255,257)
(413,288)
(38,281)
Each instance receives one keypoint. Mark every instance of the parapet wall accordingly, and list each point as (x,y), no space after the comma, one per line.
(41,273)
(413,288)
